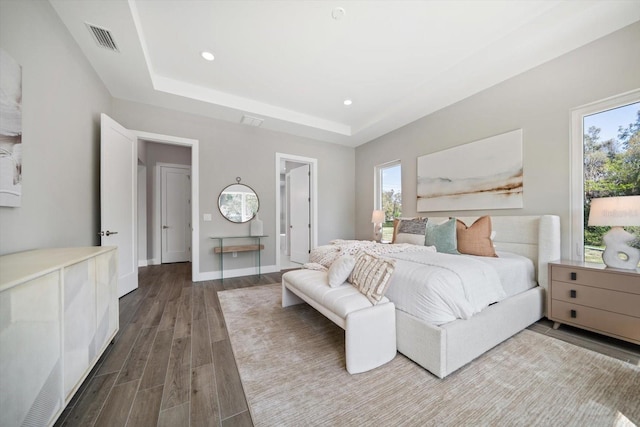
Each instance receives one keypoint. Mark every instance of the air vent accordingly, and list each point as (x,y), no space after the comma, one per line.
(103,37)
(251,121)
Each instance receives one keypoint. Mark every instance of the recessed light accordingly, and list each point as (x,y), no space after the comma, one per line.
(347,102)
(207,55)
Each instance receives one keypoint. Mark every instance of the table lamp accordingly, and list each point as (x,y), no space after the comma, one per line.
(377,218)
(617,212)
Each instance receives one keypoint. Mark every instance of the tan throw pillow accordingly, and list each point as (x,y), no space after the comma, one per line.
(476,239)
(371,276)
(396,223)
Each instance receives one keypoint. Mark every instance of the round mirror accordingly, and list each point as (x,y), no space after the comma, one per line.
(238,202)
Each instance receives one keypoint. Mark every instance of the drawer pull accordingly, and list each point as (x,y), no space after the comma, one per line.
(574,275)
(572,293)
(574,314)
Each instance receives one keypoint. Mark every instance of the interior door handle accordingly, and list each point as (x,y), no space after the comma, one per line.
(165,226)
(107,233)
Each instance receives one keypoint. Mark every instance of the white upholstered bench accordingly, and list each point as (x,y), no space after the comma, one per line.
(370,330)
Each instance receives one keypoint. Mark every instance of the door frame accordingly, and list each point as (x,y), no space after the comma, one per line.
(195,190)
(313,165)
(156,215)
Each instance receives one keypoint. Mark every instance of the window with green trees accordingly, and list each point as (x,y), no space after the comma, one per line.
(389,195)
(611,166)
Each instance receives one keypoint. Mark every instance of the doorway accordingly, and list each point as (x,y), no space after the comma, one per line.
(175,213)
(125,223)
(167,225)
(156,151)
(296,209)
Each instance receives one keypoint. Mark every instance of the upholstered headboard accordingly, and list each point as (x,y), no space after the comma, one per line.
(536,237)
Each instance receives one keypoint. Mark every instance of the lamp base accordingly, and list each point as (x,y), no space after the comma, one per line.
(377,233)
(618,254)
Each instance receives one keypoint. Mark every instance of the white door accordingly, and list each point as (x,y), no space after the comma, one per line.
(118,171)
(176,214)
(299,205)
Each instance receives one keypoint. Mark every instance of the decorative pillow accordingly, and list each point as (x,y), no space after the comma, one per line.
(411,231)
(413,226)
(396,223)
(371,275)
(396,226)
(340,270)
(442,236)
(476,239)
(414,239)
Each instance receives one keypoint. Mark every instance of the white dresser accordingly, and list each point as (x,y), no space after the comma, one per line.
(58,313)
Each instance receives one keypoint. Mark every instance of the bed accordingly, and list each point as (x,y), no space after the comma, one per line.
(446,345)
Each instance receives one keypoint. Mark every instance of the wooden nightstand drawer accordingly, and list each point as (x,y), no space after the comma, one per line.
(619,325)
(599,278)
(604,299)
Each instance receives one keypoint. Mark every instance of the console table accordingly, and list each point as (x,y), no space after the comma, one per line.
(222,249)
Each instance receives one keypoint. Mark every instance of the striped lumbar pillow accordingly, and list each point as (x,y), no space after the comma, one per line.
(371,275)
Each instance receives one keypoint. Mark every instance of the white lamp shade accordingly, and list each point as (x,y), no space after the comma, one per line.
(615,211)
(377,217)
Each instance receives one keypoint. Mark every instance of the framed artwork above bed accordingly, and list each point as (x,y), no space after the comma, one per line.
(484,174)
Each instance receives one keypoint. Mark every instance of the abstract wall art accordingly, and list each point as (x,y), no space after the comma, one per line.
(10,131)
(485,174)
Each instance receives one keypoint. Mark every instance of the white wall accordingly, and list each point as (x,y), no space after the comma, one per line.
(228,150)
(62,98)
(539,101)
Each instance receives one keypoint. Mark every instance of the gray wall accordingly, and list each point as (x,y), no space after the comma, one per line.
(539,101)
(228,150)
(62,98)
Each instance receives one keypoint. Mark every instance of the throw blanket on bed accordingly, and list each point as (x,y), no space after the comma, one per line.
(327,254)
(441,288)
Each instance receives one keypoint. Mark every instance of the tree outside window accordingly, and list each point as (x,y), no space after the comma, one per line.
(389,195)
(611,166)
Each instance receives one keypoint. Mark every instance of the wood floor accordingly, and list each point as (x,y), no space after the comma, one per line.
(171,362)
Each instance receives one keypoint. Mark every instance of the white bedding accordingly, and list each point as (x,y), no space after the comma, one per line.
(437,287)
(440,288)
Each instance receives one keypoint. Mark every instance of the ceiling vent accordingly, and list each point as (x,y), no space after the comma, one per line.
(251,121)
(103,37)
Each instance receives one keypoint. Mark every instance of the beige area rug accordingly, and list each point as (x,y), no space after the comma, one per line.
(292,366)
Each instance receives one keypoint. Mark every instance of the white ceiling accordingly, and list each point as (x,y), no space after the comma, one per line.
(292,64)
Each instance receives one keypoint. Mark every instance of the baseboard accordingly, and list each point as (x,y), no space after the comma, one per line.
(143,262)
(228,274)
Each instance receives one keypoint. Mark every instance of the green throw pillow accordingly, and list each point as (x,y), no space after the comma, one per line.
(442,236)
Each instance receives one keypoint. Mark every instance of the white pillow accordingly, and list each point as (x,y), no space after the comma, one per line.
(414,239)
(340,270)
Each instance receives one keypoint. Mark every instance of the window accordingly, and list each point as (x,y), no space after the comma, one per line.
(389,195)
(605,162)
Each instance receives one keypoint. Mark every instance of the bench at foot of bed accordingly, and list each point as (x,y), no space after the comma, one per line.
(370,330)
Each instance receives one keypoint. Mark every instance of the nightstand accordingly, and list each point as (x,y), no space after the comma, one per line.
(596,298)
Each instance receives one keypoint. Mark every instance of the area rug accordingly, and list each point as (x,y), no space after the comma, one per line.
(292,366)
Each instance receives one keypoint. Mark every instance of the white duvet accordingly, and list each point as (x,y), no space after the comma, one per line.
(440,288)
